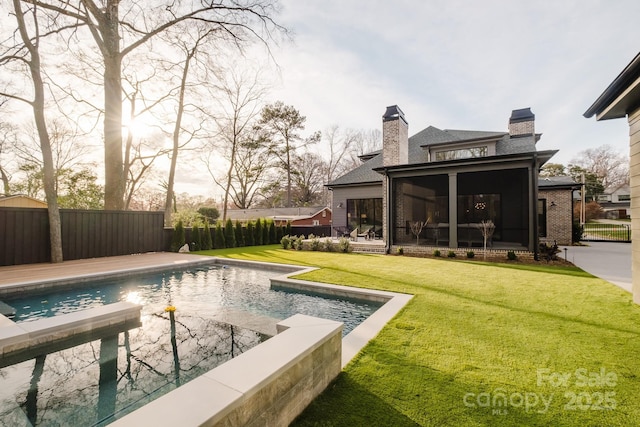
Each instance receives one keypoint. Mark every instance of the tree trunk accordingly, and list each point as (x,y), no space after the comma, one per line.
(5,181)
(37,105)
(114,167)
(176,139)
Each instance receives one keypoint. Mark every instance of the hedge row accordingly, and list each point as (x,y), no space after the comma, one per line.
(229,235)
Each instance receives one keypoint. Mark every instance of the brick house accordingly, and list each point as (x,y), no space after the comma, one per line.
(313,216)
(555,209)
(453,180)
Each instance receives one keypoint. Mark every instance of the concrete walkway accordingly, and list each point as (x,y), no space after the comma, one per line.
(607,260)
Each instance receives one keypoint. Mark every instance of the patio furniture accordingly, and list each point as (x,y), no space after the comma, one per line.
(365,233)
(354,235)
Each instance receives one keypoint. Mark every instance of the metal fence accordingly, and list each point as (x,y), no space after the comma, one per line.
(606,232)
(24,234)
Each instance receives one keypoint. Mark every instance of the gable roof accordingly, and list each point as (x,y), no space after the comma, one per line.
(620,96)
(283,214)
(21,200)
(551,182)
(430,136)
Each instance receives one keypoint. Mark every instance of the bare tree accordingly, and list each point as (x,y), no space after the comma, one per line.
(308,178)
(239,100)
(190,49)
(252,164)
(66,150)
(610,166)
(7,136)
(417,227)
(487,227)
(118,33)
(341,143)
(283,122)
(364,142)
(29,57)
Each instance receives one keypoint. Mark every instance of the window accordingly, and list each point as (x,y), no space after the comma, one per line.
(603,198)
(542,217)
(316,222)
(624,197)
(365,214)
(462,153)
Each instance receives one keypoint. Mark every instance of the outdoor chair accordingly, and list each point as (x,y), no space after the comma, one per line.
(365,233)
(354,234)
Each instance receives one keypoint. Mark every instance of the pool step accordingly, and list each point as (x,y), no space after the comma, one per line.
(7,310)
(243,319)
(22,340)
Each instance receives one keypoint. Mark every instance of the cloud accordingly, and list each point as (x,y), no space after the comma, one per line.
(459,64)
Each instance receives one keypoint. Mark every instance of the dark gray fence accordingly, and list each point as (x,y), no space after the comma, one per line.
(24,234)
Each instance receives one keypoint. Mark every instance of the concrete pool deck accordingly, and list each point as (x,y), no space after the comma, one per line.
(48,272)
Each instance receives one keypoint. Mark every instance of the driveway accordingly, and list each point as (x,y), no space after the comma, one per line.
(607,260)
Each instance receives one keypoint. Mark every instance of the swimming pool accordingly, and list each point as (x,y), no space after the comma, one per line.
(90,383)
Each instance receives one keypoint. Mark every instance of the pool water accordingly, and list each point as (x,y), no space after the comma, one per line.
(96,382)
(203,290)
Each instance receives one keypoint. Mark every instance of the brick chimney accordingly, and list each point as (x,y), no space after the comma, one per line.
(521,122)
(395,137)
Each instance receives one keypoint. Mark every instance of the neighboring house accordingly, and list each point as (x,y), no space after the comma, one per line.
(555,208)
(616,201)
(21,201)
(621,99)
(454,179)
(301,216)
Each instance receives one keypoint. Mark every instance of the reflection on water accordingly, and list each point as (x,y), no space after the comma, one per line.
(98,381)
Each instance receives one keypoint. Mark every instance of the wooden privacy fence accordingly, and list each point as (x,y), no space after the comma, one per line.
(24,234)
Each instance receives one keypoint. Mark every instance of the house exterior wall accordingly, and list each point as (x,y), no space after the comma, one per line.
(342,194)
(634,172)
(559,217)
(322,219)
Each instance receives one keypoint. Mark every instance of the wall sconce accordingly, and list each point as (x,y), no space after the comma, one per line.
(553,205)
(339,205)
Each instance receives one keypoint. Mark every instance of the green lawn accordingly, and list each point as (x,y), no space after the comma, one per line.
(561,345)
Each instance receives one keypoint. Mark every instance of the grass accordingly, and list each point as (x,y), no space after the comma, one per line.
(479,331)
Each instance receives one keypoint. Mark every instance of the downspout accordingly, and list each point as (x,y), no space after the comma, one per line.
(534,196)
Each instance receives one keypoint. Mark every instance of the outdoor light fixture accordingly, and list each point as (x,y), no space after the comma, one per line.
(553,205)
(339,205)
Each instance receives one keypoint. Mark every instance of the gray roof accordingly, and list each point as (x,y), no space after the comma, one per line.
(431,135)
(557,181)
(275,213)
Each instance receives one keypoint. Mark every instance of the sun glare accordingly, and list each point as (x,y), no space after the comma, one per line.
(134,297)
(137,127)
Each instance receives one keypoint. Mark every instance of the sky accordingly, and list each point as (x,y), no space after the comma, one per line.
(457,64)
